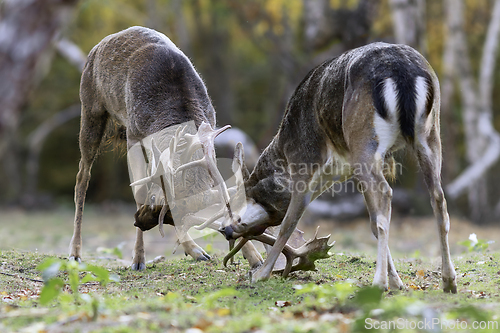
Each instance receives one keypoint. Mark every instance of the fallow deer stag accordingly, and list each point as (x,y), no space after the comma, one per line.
(139,80)
(346,118)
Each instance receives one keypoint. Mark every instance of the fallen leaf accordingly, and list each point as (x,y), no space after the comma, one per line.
(223,312)
(203,323)
(282,304)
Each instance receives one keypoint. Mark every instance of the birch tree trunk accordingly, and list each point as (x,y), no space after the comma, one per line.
(482,140)
(448,132)
(409,23)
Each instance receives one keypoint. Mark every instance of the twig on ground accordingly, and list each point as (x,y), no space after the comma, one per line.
(22,277)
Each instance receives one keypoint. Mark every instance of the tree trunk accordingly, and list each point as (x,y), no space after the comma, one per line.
(181,31)
(409,23)
(27,29)
(449,131)
(35,144)
(213,42)
(482,140)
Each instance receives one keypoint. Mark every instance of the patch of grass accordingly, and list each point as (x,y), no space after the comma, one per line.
(180,294)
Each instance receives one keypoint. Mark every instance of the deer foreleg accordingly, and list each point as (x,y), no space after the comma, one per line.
(139,261)
(192,249)
(251,254)
(293,214)
(395,282)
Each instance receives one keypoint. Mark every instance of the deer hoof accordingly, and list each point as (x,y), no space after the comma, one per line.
(198,254)
(138,266)
(259,275)
(382,286)
(395,283)
(203,257)
(450,285)
(73,258)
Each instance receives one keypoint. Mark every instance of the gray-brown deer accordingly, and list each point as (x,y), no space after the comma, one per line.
(139,80)
(346,118)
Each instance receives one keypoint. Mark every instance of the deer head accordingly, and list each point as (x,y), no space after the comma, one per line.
(258,213)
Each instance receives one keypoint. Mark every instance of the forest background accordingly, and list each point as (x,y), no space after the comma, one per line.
(251,54)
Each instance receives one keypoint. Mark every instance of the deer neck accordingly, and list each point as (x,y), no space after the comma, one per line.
(268,184)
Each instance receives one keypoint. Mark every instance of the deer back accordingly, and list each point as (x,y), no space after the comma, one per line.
(320,127)
(145,83)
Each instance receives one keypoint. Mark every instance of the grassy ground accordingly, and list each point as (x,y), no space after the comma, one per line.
(181,295)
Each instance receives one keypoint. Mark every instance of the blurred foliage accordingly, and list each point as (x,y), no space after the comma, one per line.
(251,55)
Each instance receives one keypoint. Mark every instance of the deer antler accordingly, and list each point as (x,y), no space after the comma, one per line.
(206,136)
(162,167)
(314,249)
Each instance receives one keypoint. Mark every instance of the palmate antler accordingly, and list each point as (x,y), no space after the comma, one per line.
(314,249)
(204,139)
(162,170)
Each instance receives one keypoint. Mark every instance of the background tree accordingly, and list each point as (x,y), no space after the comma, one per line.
(27,28)
(251,54)
(481,138)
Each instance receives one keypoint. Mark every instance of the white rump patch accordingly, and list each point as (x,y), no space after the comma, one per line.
(391,97)
(387,130)
(421,90)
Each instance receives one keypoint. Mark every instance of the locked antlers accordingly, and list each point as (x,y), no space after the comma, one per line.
(184,145)
(314,249)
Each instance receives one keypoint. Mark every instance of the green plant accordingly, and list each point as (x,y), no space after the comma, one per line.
(53,284)
(324,293)
(115,251)
(474,244)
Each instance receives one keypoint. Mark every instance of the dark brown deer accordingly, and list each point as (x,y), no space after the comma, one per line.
(346,118)
(139,80)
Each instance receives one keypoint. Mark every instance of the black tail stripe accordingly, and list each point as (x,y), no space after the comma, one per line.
(406,101)
(430,96)
(407,105)
(378,99)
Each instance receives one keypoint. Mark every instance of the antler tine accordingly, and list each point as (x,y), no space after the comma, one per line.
(201,162)
(156,167)
(163,212)
(211,220)
(193,144)
(207,137)
(155,153)
(312,250)
(235,250)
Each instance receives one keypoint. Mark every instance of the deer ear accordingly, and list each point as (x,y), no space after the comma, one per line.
(239,161)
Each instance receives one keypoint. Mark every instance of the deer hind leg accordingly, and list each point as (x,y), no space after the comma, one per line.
(92,128)
(378,196)
(429,157)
